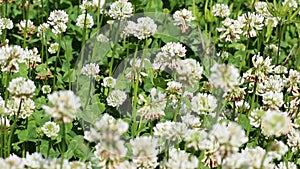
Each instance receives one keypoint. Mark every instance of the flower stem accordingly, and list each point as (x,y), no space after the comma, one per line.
(56,60)
(49,147)
(99,18)
(63,145)
(251,108)
(12,131)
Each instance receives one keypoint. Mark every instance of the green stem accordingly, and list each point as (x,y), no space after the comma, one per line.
(25,16)
(220,110)
(114,50)
(177,110)
(233,112)
(3,128)
(99,18)
(63,145)
(251,108)
(24,143)
(135,84)
(56,60)
(12,131)
(49,147)
(86,102)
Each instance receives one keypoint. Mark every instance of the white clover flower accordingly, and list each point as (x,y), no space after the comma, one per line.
(273,100)
(14,162)
(79,165)
(117,127)
(204,103)
(109,82)
(293,139)
(102,38)
(85,21)
(274,83)
(126,165)
(21,88)
(198,139)
(97,4)
(231,30)
(183,19)
(120,10)
(189,71)
(191,121)
(6,23)
(262,9)
(56,163)
(275,123)
(86,4)
(107,129)
(59,28)
(220,10)
(53,48)
(64,105)
(11,57)
(280,69)
(58,16)
(144,157)
(292,106)
(261,67)
(32,57)
(46,89)
(249,158)
(173,131)
(34,160)
(224,76)
(242,105)
(291,82)
(154,109)
(90,70)
(292,4)
(174,49)
(112,152)
(116,98)
(145,28)
(262,64)
(256,116)
(51,129)
(169,56)
(252,23)
(26,109)
(174,87)
(27,25)
(58,20)
(278,149)
(181,160)
(230,135)
(286,165)
(273,21)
